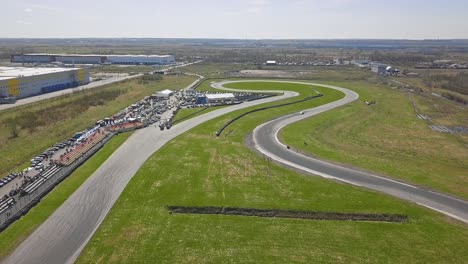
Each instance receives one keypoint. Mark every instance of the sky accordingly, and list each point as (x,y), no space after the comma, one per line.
(238,19)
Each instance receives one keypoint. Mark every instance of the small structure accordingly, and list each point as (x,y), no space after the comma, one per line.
(164,94)
(271,63)
(361,63)
(202,100)
(379,68)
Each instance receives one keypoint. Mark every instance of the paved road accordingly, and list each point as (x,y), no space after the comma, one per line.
(266,140)
(62,237)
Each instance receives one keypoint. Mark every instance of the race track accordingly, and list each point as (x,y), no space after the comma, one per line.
(62,237)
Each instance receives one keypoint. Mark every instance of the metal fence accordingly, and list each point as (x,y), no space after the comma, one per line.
(25,203)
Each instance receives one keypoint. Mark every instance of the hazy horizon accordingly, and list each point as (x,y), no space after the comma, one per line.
(243,19)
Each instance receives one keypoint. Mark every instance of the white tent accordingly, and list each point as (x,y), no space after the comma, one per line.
(165,93)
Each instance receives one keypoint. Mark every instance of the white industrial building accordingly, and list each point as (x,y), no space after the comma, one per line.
(141,59)
(379,68)
(21,82)
(93,59)
(213,98)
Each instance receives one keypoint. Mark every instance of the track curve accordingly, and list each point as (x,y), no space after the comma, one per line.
(266,141)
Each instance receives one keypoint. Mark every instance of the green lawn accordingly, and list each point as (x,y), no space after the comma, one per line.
(198,169)
(386,138)
(44,123)
(19,230)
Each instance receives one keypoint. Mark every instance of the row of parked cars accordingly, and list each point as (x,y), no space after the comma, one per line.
(8,179)
(36,162)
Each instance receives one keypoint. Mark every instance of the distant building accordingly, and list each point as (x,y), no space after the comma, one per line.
(21,82)
(361,63)
(93,59)
(271,63)
(379,68)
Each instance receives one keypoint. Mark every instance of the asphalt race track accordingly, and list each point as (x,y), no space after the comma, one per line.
(62,237)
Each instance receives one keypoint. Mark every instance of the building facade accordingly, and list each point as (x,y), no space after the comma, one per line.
(22,82)
(379,68)
(94,59)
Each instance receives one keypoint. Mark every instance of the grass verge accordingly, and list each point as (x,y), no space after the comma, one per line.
(187,113)
(19,230)
(198,169)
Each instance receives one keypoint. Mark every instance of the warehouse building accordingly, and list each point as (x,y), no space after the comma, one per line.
(80,59)
(23,82)
(93,59)
(141,59)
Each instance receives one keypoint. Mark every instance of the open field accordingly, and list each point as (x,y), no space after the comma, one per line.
(19,230)
(386,138)
(198,169)
(121,69)
(28,130)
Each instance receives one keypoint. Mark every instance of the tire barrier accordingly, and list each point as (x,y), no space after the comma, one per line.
(218,133)
(295,214)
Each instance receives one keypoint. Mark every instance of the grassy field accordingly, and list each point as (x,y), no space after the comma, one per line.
(40,125)
(19,230)
(121,69)
(386,138)
(198,169)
